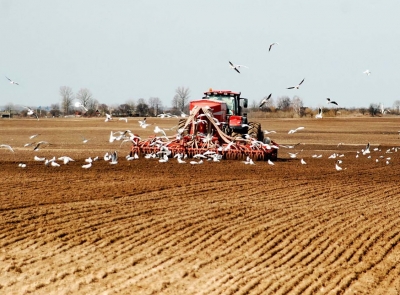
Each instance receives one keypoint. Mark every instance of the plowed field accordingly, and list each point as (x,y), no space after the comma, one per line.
(144,227)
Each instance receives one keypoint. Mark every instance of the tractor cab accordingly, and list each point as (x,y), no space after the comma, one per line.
(235,104)
(236,117)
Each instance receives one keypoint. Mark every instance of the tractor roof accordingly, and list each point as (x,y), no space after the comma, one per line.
(221,92)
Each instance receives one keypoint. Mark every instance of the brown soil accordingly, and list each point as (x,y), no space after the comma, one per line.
(144,227)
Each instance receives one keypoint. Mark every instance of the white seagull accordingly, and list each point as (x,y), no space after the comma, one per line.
(272,44)
(36,148)
(11,81)
(6,146)
(30,112)
(264,101)
(338,168)
(270,162)
(108,118)
(236,67)
(328,100)
(367,72)
(295,130)
(87,166)
(65,159)
(123,119)
(319,115)
(297,86)
(302,161)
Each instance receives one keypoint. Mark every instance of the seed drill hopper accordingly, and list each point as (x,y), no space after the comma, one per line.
(217,124)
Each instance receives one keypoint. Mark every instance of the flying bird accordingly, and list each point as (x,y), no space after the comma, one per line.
(319,115)
(295,130)
(367,72)
(123,119)
(108,118)
(264,101)
(30,112)
(236,67)
(79,105)
(34,135)
(36,148)
(6,146)
(328,100)
(272,44)
(11,81)
(297,86)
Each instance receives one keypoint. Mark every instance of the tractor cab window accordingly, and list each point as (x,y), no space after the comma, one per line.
(227,99)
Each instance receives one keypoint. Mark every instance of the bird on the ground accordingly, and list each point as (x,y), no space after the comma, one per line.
(84,140)
(87,166)
(295,130)
(297,86)
(22,165)
(367,72)
(196,163)
(6,146)
(236,67)
(65,159)
(270,162)
(366,150)
(303,162)
(264,101)
(272,44)
(331,101)
(11,81)
(54,164)
(338,168)
(319,115)
(114,158)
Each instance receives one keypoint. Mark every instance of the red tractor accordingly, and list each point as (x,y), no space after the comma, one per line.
(217,123)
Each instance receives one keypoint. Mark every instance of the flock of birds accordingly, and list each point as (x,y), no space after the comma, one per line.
(236,67)
(164,155)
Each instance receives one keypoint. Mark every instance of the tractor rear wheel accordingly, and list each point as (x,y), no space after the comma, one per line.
(255,131)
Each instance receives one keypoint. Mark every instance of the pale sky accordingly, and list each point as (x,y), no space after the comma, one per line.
(130,49)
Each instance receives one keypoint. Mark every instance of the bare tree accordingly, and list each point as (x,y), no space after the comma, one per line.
(142,108)
(181,98)
(84,96)
(55,109)
(396,106)
(131,104)
(283,103)
(297,105)
(373,109)
(103,108)
(67,97)
(155,105)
